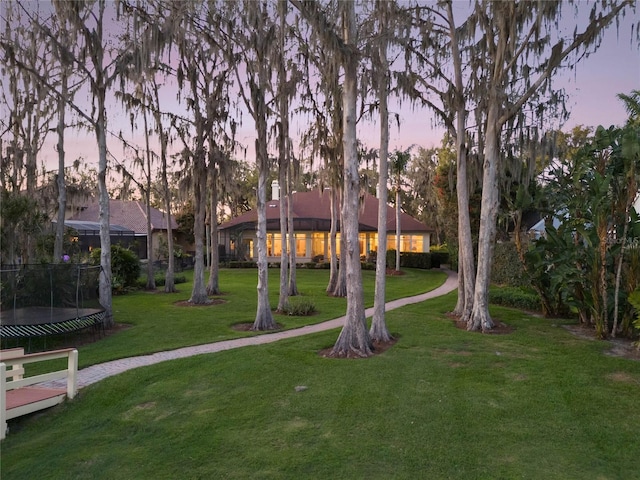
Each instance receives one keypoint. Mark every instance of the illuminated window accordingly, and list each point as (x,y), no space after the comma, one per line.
(408,243)
(301,244)
(362,239)
(391,242)
(274,245)
(373,243)
(317,244)
(417,243)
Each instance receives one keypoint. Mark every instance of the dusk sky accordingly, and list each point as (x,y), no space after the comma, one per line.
(592,88)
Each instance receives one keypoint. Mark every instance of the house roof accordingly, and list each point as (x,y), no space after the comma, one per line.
(129,214)
(93,228)
(312,211)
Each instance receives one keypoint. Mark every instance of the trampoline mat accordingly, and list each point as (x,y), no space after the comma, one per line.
(35,321)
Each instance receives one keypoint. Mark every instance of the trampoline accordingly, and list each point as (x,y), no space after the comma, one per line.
(44,300)
(39,321)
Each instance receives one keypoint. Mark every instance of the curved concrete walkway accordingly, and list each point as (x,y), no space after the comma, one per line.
(95,373)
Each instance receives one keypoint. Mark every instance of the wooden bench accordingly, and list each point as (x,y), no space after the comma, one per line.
(20,395)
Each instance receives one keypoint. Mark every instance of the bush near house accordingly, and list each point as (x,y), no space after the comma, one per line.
(440,254)
(125,268)
(160,279)
(243,264)
(424,260)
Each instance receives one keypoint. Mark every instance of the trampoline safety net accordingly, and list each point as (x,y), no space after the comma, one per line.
(40,300)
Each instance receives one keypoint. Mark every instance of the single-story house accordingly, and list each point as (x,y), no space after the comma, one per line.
(312,223)
(132,215)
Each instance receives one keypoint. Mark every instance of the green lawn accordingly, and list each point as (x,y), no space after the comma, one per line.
(537,403)
(158,324)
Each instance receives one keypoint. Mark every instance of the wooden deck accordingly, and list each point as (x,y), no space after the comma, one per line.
(28,395)
(20,395)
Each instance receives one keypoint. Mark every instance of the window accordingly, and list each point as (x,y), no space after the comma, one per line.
(301,244)
(317,244)
(274,244)
(408,243)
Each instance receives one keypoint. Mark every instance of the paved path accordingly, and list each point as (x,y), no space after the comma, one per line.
(95,373)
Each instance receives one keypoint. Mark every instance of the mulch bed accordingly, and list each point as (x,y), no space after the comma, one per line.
(394,273)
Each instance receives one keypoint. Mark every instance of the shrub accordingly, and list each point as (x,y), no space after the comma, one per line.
(439,255)
(243,264)
(368,266)
(452,251)
(125,267)
(422,260)
(443,248)
(515,297)
(160,280)
(507,268)
(300,307)
(439,258)
(634,300)
(391,259)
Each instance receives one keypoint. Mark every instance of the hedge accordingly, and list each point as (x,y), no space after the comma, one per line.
(507,268)
(243,264)
(424,260)
(515,298)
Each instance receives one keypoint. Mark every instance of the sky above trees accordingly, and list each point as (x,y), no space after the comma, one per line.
(591,88)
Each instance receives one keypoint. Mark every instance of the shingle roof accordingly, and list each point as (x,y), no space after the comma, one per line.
(129,214)
(312,211)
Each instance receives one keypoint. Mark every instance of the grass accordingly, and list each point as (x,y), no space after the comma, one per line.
(442,403)
(158,324)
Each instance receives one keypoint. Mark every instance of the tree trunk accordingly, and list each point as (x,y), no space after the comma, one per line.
(379,331)
(354,338)
(293,283)
(459,308)
(465,245)
(169,280)
(151,281)
(283,297)
(62,184)
(264,318)
(199,290)
(333,265)
(618,278)
(480,318)
(213,285)
(340,289)
(602,317)
(398,228)
(103,200)
(169,277)
(466,262)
